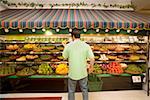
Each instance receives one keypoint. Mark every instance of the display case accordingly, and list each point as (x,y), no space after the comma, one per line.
(40,56)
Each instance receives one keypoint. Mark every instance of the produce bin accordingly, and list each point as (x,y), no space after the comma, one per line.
(94,83)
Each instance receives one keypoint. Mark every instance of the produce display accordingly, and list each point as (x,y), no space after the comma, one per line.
(27,71)
(133,69)
(97,69)
(45,57)
(48,48)
(30,46)
(113,55)
(45,69)
(23,58)
(62,69)
(12,47)
(119,47)
(4,59)
(143,67)
(60,47)
(31,57)
(114,68)
(134,58)
(5,71)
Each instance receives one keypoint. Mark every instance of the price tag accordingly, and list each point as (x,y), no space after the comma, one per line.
(136,79)
(31,52)
(15,52)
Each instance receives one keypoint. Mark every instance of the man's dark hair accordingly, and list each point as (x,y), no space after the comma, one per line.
(75,33)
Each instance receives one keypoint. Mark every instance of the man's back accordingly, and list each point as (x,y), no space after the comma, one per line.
(77,53)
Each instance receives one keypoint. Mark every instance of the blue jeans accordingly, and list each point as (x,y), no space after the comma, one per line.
(72,87)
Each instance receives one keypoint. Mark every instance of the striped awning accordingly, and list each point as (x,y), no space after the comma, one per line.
(72,18)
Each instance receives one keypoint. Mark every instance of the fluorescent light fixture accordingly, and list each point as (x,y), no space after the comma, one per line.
(107,30)
(43,29)
(70,30)
(118,30)
(20,30)
(97,30)
(6,30)
(57,30)
(136,31)
(48,32)
(33,30)
(84,30)
(128,31)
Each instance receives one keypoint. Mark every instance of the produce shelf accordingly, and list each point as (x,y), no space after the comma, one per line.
(110,75)
(65,76)
(114,52)
(41,62)
(24,42)
(32,62)
(31,52)
(119,52)
(116,42)
(142,61)
(40,76)
(46,42)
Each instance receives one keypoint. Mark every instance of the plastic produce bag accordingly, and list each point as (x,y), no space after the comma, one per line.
(94,83)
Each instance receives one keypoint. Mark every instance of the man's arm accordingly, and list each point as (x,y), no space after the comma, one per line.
(92,60)
(65,52)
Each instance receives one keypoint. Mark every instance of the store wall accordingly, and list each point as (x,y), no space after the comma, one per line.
(142,6)
(2,7)
(76,1)
(89,2)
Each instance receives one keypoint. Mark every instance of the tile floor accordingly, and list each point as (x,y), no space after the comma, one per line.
(104,95)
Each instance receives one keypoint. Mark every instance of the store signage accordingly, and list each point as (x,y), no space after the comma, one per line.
(136,79)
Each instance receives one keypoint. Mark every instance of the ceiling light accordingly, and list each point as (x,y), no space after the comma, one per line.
(43,29)
(118,30)
(20,30)
(84,30)
(33,30)
(107,30)
(97,30)
(57,30)
(128,31)
(6,30)
(70,30)
(136,31)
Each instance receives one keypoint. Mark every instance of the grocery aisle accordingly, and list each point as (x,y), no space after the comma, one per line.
(108,95)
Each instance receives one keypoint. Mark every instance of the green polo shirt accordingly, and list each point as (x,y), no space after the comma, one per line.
(77,53)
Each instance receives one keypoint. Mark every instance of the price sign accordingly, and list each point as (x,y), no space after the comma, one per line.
(136,79)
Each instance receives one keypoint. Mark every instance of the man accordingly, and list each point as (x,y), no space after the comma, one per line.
(77,52)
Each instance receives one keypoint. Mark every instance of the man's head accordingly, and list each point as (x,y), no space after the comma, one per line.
(75,34)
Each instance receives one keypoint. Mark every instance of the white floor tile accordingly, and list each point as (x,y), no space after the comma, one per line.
(107,95)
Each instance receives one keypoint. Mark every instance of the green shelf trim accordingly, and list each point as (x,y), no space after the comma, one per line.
(40,76)
(104,75)
(65,76)
(48,76)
